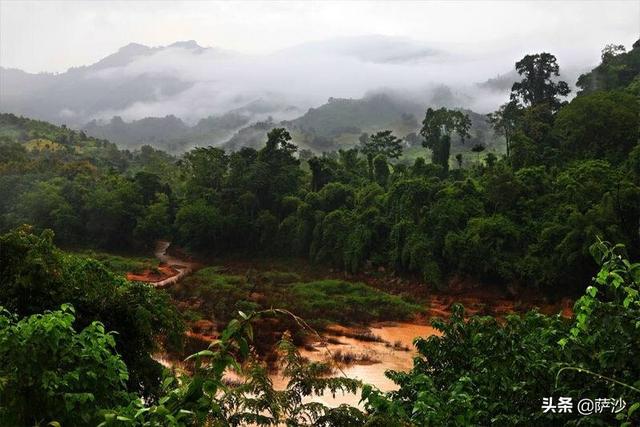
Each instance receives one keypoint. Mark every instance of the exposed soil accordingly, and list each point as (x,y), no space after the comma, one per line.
(171,269)
(163,272)
(477,298)
(364,352)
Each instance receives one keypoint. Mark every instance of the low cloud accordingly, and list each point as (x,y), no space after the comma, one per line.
(303,77)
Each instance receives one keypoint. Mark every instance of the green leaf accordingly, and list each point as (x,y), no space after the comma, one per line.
(203,353)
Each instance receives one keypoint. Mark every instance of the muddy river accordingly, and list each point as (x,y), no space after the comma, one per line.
(367,359)
(364,354)
(394,351)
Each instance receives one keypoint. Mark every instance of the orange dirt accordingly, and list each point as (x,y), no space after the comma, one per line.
(163,272)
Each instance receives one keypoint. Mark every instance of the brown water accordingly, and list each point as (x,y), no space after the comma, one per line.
(183,267)
(394,352)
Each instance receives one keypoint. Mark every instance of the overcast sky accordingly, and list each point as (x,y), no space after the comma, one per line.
(55,35)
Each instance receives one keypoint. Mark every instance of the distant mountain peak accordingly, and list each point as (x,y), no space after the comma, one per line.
(187,44)
(123,56)
(133,47)
(131,51)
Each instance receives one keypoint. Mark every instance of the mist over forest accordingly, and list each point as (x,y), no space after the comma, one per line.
(198,96)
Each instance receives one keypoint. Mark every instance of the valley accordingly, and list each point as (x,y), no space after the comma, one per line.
(358,231)
(361,351)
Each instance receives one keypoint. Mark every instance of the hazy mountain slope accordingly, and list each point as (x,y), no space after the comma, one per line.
(340,122)
(156,131)
(340,116)
(183,95)
(168,133)
(79,93)
(192,82)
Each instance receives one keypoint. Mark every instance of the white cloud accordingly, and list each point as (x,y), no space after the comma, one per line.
(304,76)
(54,35)
(301,53)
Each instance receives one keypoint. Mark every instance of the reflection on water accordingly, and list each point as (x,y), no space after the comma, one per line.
(394,352)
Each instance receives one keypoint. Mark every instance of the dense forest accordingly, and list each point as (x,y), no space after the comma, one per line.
(76,339)
(570,174)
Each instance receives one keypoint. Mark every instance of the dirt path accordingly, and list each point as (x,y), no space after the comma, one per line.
(183,267)
(170,270)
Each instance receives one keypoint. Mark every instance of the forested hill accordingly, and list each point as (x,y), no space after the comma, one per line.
(524,218)
(25,139)
(618,69)
(168,133)
(84,91)
(339,123)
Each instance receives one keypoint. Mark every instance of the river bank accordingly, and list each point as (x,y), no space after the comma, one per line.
(364,352)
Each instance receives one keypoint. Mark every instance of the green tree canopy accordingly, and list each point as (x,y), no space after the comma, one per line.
(538,85)
(437,128)
(51,373)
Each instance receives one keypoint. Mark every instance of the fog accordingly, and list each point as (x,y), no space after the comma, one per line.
(305,76)
(287,56)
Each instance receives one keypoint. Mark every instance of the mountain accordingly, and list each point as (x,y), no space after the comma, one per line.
(168,133)
(339,116)
(340,122)
(501,82)
(156,131)
(183,95)
(173,135)
(192,82)
(81,92)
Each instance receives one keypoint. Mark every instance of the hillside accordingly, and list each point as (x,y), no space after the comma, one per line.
(192,82)
(617,70)
(340,116)
(83,92)
(167,133)
(37,135)
(340,122)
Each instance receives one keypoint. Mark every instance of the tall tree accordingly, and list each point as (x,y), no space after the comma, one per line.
(383,143)
(381,170)
(276,172)
(538,85)
(321,172)
(437,128)
(505,122)
(204,169)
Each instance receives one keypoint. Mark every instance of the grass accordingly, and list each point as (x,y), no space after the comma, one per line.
(319,302)
(347,302)
(350,358)
(121,264)
(219,296)
(280,277)
(362,335)
(213,294)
